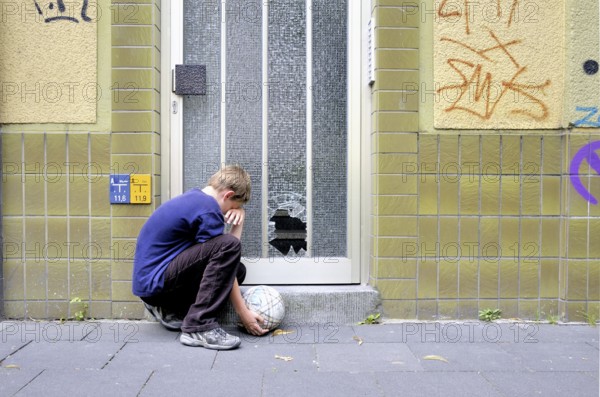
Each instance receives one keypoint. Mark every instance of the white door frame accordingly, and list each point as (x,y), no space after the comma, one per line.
(317,270)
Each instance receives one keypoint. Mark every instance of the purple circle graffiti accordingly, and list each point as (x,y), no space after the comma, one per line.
(585,153)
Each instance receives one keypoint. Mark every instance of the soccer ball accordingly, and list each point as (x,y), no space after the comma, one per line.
(267,302)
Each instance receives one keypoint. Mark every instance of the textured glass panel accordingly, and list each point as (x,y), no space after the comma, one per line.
(244,108)
(287,96)
(329,127)
(201,114)
(287,126)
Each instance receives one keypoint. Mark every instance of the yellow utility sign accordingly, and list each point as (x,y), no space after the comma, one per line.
(141,188)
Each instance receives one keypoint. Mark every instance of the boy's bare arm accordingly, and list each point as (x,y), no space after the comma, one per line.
(235,217)
(250,319)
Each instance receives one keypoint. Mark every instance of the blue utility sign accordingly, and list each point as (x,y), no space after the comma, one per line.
(119,189)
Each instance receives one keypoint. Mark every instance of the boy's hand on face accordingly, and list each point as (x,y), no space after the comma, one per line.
(235,216)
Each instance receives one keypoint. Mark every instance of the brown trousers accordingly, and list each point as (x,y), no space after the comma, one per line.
(198,282)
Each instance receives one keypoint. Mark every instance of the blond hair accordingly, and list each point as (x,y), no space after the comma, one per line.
(232,177)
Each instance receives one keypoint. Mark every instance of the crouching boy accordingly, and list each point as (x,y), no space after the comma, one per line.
(185,268)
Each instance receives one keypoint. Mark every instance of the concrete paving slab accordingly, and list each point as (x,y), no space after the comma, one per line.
(382,333)
(451,332)
(455,384)
(596,345)
(330,384)
(161,355)
(260,357)
(555,356)
(528,384)
(14,379)
(78,355)
(193,382)
(15,335)
(474,331)
(85,382)
(131,332)
(45,331)
(10,347)
(563,332)
(246,337)
(316,333)
(368,357)
(465,357)
(500,332)
(65,355)
(389,361)
(300,334)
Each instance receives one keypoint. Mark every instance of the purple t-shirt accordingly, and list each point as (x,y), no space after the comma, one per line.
(193,217)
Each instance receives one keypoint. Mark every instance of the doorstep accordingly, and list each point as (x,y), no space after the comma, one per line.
(322,304)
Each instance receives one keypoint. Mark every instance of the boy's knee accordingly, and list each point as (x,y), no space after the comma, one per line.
(230,242)
(241,273)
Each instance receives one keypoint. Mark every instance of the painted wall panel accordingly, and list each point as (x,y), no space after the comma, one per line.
(498,64)
(48,61)
(583,76)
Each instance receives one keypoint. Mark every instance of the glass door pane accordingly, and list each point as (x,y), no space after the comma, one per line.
(329,129)
(276,103)
(202,114)
(287,156)
(243,108)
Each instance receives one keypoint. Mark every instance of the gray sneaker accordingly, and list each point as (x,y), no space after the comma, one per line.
(216,339)
(168,320)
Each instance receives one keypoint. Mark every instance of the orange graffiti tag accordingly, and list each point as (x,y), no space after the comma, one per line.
(477,79)
(453,10)
(444,12)
(513,9)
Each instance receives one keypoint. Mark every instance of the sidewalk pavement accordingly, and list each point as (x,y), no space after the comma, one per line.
(131,358)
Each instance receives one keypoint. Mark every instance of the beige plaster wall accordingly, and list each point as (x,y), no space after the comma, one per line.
(582,97)
(48,59)
(498,64)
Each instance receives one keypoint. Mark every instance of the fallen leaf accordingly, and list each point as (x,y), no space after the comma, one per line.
(358,339)
(434,357)
(15,366)
(278,332)
(284,358)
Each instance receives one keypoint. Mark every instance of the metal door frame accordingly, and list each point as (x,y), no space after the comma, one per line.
(1,241)
(358,162)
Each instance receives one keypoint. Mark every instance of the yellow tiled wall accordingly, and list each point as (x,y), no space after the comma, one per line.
(395,147)
(135,133)
(465,220)
(462,220)
(62,238)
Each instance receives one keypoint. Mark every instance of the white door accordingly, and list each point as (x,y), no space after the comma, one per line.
(278,103)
